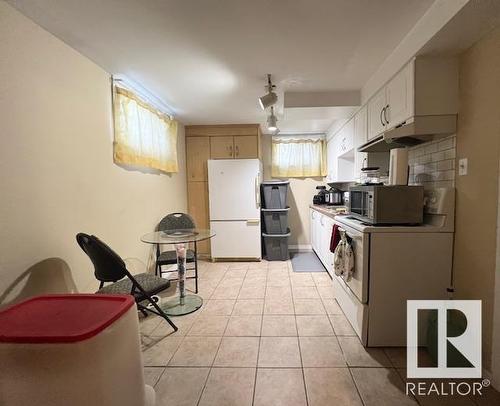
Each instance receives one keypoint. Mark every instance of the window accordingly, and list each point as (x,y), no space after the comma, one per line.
(298,157)
(144,136)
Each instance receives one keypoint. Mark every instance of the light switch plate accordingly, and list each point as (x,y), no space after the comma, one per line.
(463,166)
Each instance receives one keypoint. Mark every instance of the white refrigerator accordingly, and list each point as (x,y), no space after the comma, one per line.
(234,200)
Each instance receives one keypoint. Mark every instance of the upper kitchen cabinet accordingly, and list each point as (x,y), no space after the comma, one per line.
(360,137)
(222,147)
(198,153)
(340,154)
(426,88)
(246,146)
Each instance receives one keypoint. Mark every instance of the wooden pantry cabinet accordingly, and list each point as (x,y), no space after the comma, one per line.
(204,142)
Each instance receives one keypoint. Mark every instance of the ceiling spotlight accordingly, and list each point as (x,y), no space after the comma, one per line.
(270,98)
(272,121)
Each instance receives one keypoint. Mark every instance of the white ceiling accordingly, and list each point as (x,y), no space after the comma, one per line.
(208,59)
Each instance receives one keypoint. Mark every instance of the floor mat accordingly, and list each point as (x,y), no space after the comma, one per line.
(306,262)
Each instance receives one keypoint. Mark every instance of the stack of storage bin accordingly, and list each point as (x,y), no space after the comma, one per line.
(275,231)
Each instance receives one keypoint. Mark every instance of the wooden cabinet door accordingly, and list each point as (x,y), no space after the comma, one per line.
(222,147)
(399,93)
(376,124)
(197,154)
(198,209)
(246,147)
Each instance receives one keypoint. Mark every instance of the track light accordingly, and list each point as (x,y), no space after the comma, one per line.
(270,98)
(272,121)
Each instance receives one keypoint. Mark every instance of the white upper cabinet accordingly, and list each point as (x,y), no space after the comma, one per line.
(346,138)
(360,137)
(399,97)
(340,154)
(376,106)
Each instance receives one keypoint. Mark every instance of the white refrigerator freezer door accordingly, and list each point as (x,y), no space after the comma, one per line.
(234,189)
(236,239)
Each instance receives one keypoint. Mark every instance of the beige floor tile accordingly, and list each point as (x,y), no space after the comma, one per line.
(314,326)
(226,292)
(152,375)
(326,292)
(302,279)
(359,356)
(148,324)
(254,283)
(229,387)
(252,292)
(231,282)
(258,265)
(237,352)
(248,325)
(278,292)
(322,279)
(279,352)
(341,325)
(218,307)
(248,306)
(381,386)
(279,326)
(305,292)
(278,281)
(278,306)
(309,306)
(331,387)
(279,387)
(321,352)
(183,323)
(180,386)
(332,307)
(278,264)
(207,325)
(196,351)
(160,350)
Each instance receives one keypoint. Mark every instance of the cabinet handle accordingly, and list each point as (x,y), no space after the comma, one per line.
(230,150)
(385,114)
(237,150)
(381,120)
(321,220)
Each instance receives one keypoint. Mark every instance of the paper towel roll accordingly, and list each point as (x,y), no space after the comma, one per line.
(398,166)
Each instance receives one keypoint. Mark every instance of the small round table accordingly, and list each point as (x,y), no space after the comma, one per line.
(183,304)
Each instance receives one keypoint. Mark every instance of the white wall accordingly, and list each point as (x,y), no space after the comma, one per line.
(57,176)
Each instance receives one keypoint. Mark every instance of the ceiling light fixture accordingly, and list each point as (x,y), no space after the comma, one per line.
(272,122)
(270,98)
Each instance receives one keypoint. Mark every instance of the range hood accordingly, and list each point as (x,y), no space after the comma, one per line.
(416,130)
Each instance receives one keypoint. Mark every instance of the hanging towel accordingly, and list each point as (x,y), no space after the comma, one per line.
(343,258)
(335,238)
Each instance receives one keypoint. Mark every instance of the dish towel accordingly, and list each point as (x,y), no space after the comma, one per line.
(335,238)
(343,258)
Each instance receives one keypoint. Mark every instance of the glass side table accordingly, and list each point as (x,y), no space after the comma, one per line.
(183,303)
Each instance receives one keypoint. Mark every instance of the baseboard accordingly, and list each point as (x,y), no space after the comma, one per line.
(300,248)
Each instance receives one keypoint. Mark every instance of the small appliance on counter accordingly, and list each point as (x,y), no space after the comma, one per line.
(388,205)
(320,197)
(334,196)
(398,166)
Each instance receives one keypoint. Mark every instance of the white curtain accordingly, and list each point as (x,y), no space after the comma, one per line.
(144,136)
(298,157)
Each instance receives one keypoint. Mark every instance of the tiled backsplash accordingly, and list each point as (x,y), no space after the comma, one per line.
(432,164)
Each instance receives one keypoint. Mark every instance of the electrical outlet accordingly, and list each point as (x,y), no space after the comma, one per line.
(463,166)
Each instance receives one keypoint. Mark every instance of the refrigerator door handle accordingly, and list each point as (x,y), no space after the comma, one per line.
(257,192)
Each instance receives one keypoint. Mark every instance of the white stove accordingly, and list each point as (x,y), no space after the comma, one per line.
(394,264)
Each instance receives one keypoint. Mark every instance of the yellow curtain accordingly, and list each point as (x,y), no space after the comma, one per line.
(144,136)
(298,157)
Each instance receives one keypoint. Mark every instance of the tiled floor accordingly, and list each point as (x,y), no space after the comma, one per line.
(268,336)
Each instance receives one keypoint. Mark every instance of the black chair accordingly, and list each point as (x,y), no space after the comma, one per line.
(177,221)
(109,267)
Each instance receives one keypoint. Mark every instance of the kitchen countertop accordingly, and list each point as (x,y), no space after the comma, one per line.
(330,211)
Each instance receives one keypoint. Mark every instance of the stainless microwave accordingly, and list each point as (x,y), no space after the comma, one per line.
(379,204)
